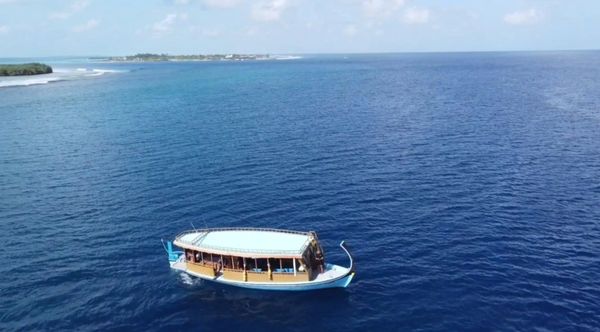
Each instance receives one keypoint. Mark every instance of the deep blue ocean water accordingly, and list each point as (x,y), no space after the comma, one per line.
(467,186)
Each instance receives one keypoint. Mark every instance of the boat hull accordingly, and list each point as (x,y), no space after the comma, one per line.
(341,281)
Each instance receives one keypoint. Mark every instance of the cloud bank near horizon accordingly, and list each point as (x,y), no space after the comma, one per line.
(39,28)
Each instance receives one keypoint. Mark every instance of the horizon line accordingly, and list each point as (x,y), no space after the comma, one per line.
(312,53)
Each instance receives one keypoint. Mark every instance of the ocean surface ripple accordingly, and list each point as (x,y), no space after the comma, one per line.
(467,186)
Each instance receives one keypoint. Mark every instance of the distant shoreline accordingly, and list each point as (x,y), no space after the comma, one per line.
(150,57)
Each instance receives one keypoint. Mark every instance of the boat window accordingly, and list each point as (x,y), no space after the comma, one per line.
(273,263)
(261,265)
(233,262)
(207,259)
(257,264)
(199,257)
(286,265)
(236,263)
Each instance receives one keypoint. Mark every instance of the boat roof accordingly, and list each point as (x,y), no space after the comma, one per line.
(247,242)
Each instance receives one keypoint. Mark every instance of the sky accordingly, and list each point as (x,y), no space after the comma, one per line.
(35,28)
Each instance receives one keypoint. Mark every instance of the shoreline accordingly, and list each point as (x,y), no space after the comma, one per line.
(148,57)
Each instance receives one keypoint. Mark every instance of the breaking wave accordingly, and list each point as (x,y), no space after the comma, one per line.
(286,57)
(28,81)
(59,74)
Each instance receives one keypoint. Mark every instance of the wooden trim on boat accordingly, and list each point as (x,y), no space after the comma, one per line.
(290,277)
(258,276)
(205,270)
(231,274)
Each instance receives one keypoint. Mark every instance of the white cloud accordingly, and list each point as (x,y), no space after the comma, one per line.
(4,29)
(210,32)
(269,10)
(416,15)
(205,32)
(221,3)
(381,8)
(165,25)
(74,8)
(251,31)
(529,16)
(209,3)
(89,25)
(79,5)
(59,15)
(350,30)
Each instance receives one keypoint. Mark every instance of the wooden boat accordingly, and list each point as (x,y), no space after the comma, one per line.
(259,258)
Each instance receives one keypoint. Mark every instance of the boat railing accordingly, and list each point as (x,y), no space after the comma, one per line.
(261,271)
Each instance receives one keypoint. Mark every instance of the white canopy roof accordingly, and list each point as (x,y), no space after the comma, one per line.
(246,242)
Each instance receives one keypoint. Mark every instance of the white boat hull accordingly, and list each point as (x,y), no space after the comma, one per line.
(335,276)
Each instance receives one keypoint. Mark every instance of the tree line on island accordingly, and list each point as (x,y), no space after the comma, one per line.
(25,69)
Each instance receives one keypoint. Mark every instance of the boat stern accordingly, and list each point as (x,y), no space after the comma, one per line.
(173,255)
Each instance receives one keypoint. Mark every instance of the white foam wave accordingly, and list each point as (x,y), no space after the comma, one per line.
(107,70)
(186,279)
(59,74)
(28,81)
(98,72)
(286,57)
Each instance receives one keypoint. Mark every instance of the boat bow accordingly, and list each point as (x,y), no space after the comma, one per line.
(351,268)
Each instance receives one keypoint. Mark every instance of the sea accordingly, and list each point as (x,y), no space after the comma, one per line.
(466,185)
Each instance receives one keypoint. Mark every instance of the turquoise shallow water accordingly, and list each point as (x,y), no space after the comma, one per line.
(465,184)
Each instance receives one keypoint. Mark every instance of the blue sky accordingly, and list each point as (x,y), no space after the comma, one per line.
(111,27)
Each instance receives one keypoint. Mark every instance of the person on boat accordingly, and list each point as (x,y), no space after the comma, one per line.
(319,259)
(302,268)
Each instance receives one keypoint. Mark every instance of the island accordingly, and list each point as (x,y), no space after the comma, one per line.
(151,57)
(24,69)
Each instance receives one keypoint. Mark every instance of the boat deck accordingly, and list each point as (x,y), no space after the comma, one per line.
(331,272)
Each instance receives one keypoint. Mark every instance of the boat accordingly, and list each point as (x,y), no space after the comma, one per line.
(258,258)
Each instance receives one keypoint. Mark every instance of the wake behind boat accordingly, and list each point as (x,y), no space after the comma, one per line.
(259,258)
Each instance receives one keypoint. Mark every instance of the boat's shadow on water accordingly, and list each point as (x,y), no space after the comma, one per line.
(239,306)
